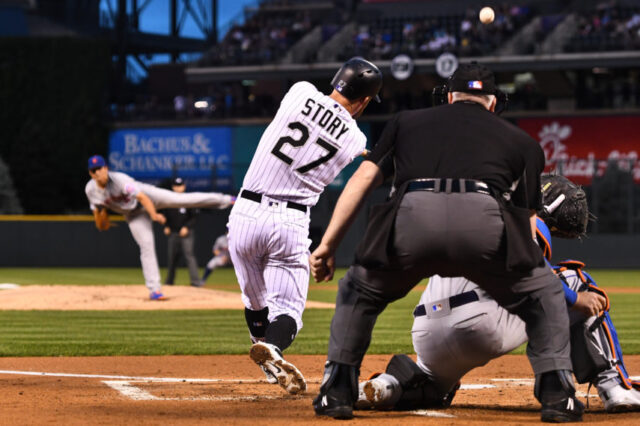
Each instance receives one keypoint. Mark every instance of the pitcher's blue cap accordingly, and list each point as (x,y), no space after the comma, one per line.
(96,162)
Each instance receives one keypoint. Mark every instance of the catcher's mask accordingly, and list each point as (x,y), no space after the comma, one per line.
(471,78)
(543,236)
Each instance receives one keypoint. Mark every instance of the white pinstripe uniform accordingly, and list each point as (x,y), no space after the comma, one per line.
(310,140)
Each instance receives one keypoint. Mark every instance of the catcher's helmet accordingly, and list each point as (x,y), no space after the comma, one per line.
(358,78)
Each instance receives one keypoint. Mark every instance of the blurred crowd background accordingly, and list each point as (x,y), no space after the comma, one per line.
(79,74)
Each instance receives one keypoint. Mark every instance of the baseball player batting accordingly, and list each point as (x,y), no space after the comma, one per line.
(310,140)
(138,202)
(471,328)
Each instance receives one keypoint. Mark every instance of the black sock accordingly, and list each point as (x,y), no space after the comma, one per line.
(281,332)
(257,321)
(206,274)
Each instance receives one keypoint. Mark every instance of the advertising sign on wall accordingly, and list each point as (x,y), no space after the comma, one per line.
(583,147)
(201,155)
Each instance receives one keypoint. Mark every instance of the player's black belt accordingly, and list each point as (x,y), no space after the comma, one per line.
(254,196)
(454,302)
(449,185)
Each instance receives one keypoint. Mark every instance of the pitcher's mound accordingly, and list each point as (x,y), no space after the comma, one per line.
(120,297)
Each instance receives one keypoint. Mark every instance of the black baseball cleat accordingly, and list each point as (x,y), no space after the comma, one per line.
(332,406)
(338,392)
(566,410)
(556,393)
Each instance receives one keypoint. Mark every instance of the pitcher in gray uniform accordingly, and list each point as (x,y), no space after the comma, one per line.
(138,202)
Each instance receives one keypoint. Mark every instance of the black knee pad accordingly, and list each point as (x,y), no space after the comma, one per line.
(419,391)
(257,321)
(281,331)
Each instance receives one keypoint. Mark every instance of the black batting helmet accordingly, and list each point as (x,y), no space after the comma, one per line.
(358,78)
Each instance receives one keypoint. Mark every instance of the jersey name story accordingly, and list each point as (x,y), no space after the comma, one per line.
(325,118)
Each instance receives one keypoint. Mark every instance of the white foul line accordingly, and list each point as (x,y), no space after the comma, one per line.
(137,394)
(123,385)
(581,394)
(130,391)
(477,386)
(431,413)
(149,379)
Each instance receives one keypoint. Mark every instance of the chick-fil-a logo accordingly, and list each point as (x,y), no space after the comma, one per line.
(551,137)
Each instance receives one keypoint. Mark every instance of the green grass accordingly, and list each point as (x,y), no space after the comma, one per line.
(616,277)
(221,277)
(80,333)
(98,276)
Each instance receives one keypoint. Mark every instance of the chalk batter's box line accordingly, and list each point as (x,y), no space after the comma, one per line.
(209,380)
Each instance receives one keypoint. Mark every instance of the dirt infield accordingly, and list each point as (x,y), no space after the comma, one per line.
(191,390)
(127,297)
(120,297)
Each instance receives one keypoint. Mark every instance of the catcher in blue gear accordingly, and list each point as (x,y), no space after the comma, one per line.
(476,329)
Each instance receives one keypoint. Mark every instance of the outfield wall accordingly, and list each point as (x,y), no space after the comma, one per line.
(46,241)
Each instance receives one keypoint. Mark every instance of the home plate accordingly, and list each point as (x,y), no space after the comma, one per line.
(8,286)
(431,413)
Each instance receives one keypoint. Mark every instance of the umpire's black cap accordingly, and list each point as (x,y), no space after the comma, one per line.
(358,78)
(472,78)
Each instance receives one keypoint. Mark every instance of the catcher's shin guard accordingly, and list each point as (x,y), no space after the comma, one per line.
(595,347)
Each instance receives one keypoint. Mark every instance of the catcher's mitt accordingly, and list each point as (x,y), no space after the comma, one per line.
(565,209)
(102,220)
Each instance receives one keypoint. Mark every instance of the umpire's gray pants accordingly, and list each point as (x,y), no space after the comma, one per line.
(177,245)
(452,235)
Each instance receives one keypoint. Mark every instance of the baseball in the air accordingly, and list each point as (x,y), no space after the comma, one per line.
(486,15)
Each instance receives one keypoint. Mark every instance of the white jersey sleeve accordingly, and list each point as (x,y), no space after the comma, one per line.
(119,195)
(310,140)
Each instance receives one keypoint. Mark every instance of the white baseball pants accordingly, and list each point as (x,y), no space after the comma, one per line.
(269,247)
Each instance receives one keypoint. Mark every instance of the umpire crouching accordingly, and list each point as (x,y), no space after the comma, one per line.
(466,188)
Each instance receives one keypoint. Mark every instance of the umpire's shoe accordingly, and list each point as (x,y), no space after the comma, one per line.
(556,393)
(269,358)
(338,392)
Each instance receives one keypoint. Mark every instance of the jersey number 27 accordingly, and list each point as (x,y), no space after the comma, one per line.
(304,132)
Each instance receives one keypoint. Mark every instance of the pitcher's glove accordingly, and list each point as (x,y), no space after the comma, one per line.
(565,209)
(102,219)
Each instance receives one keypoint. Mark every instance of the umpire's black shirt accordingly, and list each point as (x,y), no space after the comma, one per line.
(461,140)
(177,218)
